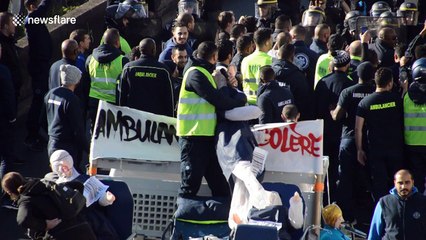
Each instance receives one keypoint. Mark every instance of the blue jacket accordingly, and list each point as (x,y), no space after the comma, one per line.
(397,218)
(319,47)
(330,233)
(166,54)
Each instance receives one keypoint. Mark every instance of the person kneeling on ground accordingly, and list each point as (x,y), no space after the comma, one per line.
(37,211)
(63,170)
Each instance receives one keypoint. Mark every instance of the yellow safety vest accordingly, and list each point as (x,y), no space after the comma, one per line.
(195,116)
(322,69)
(414,123)
(250,70)
(124,46)
(103,78)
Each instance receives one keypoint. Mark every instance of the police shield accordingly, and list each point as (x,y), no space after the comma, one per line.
(375,24)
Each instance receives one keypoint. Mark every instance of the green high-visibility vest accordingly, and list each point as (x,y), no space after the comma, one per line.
(414,123)
(195,116)
(322,69)
(124,46)
(103,78)
(250,67)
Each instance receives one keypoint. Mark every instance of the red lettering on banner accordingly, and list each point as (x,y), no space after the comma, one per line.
(288,139)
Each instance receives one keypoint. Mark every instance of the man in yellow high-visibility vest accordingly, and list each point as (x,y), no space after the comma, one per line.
(252,63)
(200,98)
(104,67)
(415,123)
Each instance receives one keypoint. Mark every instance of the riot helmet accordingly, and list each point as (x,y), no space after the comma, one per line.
(265,8)
(132,9)
(418,70)
(351,20)
(313,16)
(388,19)
(378,8)
(409,13)
(189,6)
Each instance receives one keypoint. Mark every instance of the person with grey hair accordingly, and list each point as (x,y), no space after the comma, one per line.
(64,116)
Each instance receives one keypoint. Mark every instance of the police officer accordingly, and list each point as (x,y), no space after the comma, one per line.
(118,16)
(327,94)
(104,67)
(378,8)
(196,122)
(304,58)
(408,13)
(145,84)
(267,13)
(415,122)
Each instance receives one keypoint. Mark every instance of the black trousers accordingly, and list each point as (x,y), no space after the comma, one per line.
(198,160)
(417,161)
(39,72)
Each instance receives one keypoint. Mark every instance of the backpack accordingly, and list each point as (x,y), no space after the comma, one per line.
(67,197)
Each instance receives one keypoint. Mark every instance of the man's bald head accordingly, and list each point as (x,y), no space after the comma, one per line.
(403,172)
(404,183)
(322,32)
(355,49)
(388,35)
(147,47)
(69,49)
(112,37)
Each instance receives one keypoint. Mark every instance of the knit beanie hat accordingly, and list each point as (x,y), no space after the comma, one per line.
(69,74)
(340,58)
(366,71)
(331,213)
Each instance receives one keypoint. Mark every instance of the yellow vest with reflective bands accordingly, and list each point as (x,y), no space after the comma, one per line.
(103,78)
(414,123)
(195,116)
(250,67)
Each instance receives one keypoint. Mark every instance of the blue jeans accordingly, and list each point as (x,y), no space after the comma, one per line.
(198,160)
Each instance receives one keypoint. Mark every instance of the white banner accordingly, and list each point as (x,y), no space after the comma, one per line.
(294,147)
(125,133)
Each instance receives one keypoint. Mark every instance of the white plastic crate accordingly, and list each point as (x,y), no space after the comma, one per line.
(154,204)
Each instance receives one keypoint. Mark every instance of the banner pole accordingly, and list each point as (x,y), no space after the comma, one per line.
(316,216)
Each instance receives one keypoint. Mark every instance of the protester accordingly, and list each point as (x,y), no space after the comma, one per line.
(83,40)
(180,37)
(9,51)
(400,214)
(327,94)
(380,116)
(38,213)
(145,84)
(250,66)
(290,114)
(414,107)
(104,67)
(8,111)
(271,96)
(69,49)
(292,77)
(40,52)
(351,173)
(63,170)
(198,154)
(65,118)
(319,43)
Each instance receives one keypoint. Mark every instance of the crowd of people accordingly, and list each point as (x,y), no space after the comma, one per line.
(358,65)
